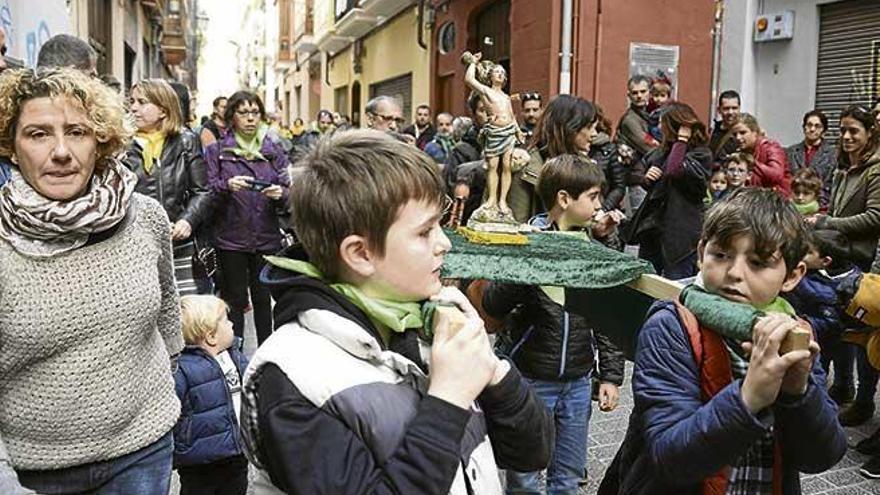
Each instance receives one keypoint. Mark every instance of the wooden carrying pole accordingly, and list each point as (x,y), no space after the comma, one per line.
(665,289)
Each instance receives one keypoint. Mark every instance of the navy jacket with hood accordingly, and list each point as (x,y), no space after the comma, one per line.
(207,430)
(675,440)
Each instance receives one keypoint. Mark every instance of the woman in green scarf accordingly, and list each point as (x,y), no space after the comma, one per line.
(167,159)
(247,171)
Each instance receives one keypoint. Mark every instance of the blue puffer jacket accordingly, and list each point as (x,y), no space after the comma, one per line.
(208,429)
(816,299)
(674,440)
(5,173)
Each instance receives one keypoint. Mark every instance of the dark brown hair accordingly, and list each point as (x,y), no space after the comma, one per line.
(560,123)
(808,179)
(866,118)
(355,183)
(763,214)
(738,157)
(571,173)
(679,114)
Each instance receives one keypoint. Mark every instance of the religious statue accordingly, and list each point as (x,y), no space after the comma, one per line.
(498,136)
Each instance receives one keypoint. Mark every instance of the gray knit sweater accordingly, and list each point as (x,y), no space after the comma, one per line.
(85,339)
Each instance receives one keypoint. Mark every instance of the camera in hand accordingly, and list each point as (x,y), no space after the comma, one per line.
(258,185)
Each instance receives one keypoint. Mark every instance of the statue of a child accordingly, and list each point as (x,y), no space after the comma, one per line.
(499,135)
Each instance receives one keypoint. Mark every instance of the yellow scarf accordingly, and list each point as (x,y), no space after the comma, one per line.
(152,143)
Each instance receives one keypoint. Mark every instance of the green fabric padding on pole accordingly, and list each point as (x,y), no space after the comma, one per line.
(548,259)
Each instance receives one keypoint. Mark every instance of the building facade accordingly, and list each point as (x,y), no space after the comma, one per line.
(821,54)
(134,39)
(588,47)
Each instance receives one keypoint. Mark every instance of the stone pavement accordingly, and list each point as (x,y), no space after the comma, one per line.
(607,431)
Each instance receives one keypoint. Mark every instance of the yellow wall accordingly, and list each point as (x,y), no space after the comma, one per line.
(390,51)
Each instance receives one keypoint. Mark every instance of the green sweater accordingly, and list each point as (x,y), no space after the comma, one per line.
(86,339)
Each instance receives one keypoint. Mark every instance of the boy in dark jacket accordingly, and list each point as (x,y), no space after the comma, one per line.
(355,392)
(208,454)
(716,415)
(556,350)
(816,299)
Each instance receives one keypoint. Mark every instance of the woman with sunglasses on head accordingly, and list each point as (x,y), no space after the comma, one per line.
(248,173)
(167,159)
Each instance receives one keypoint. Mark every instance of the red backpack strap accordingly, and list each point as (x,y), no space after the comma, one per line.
(713,364)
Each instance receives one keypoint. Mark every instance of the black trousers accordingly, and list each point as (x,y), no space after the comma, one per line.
(240,272)
(224,477)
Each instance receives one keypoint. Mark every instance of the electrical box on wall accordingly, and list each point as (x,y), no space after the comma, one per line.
(774,27)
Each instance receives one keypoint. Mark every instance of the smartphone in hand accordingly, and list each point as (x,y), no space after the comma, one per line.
(258,185)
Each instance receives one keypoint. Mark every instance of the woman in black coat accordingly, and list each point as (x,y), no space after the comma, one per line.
(668,223)
(167,159)
(604,152)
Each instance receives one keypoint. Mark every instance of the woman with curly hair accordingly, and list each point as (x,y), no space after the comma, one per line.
(167,159)
(89,314)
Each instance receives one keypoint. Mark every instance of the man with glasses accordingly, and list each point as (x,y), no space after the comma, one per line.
(384,113)
(815,152)
(531,112)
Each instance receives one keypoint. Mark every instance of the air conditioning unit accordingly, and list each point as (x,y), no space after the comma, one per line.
(774,27)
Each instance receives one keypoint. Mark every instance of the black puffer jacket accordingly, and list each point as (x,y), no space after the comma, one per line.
(550,343)
(604,152)
(183,189)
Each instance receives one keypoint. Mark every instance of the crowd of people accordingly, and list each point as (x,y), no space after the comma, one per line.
(134,241)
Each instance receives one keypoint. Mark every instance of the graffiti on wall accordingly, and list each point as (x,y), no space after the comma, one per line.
(29,24)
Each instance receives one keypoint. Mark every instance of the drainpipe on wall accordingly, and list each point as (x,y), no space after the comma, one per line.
(565,64)
(716,58)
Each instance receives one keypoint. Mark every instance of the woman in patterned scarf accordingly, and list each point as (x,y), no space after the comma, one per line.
(167,159)
(89,314)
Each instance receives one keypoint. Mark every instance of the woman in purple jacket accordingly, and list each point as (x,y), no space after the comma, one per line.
(248,173)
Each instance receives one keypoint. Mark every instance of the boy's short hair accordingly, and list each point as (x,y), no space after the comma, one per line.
(661,87)
(569,173)
(832,243)
(807,178)
(200,316)
(739,157)
(763,214)
(355,183)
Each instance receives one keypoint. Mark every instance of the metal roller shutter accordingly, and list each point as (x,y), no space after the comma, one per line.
(849,58)
(398,87)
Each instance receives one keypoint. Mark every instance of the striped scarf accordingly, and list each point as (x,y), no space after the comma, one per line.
(38,227)
(752,474)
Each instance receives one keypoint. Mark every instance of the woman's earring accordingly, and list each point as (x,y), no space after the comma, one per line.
(13,159)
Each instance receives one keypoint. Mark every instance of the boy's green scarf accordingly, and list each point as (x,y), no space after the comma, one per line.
(805,209)
(387,315)
(249,147)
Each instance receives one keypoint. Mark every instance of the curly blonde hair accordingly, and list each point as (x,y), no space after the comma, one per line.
(104,109)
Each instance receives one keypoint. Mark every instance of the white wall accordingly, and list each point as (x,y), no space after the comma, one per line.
(30,23)
(776,79)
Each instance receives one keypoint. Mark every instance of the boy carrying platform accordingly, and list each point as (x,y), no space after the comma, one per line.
(719,415)
(353,393)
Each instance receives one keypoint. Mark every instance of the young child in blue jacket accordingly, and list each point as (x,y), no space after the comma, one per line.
(208,453)
(816,299)
(717,415)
